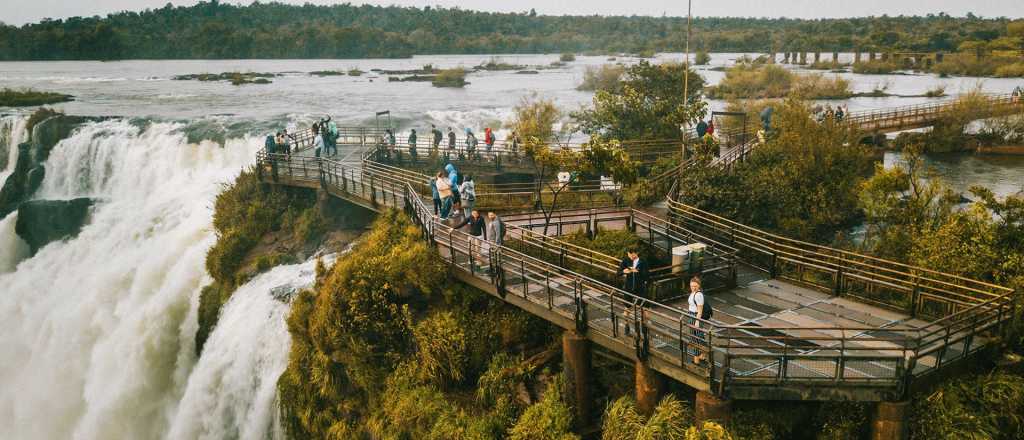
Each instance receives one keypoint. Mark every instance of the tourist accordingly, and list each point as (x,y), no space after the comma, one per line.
(489,139)
(270,144)
(698,309)
(436,195)
(839,114)
(467,192)
(477,230)
(451,138)
(453,182)
(444,191)
(392,142)
(318,142)
(412,145)
(634,271)
(470,143)
(281,142)
(332,137)
(437,136)
(702,129)
(515,143)
(711,128)
(495,229)
(1018,93)
(766,117)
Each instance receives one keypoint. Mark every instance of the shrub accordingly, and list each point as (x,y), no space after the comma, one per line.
(503,374)
(877,67)
(567,57)
(670,421)
(355,72)
(753,80)
(936,92)
(983,407)
(41,114)
(703,58)
(548,419)
(607,77)
(450,78)
(441,349)
(1015,70)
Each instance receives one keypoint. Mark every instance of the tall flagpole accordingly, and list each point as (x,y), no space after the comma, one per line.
(686,81)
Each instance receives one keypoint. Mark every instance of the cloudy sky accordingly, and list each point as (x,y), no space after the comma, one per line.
(22,11)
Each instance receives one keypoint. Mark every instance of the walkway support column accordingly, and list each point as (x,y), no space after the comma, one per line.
(711,408)
(576,364)
(650,386)
(890,422)
(323,200)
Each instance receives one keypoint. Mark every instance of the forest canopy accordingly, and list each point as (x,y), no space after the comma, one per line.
(214,30)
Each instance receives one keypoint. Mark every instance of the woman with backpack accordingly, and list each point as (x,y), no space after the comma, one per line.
(701,311)
(489,138)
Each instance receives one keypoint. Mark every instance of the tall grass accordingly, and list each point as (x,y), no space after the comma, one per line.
(876,67)
(29,97)
(450,78)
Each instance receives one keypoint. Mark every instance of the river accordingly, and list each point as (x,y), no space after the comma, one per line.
(99,330)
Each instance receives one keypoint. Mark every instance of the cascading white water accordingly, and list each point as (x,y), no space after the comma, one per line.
(98,338)
(12,248)
(231,392)
(12,133)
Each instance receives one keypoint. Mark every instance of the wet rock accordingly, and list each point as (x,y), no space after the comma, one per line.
(43,221)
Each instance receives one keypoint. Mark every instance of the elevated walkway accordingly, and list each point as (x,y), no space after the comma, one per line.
(793,320)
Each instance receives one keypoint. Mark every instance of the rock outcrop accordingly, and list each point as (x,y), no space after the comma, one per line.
(43,221)
(29,171)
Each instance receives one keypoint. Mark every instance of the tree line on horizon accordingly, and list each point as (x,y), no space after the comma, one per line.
(214,30)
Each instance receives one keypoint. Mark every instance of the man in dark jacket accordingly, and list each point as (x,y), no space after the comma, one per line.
(634,273)
(477,227)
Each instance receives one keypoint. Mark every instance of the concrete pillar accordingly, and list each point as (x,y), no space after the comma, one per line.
(835,58)
(323,201)
(885,56)
(771,58)
(803,57)
(890,422)
(856,56)
(711,408)
(786,54)
(871,56)
(817,57)
(650,386)
(576,364)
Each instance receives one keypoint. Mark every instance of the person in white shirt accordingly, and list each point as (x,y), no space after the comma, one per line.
(696,308)
(467,193)
(318,143)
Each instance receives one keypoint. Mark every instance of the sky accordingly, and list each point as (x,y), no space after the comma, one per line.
(18,12)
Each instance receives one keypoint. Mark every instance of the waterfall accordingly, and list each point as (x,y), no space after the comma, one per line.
(98,338)
(231,392)
(12,133)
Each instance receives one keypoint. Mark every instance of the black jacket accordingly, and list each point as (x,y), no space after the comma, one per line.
(477,227)
(634,282)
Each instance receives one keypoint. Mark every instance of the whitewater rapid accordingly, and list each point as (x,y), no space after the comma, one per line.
(12,132)
(98,338)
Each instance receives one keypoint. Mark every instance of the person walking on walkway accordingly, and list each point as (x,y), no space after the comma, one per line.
(711,128)
(437,137)
(451,144)
(318,143)
(702,129)
(453,182)
(495,229)
(457,217)
(412,145)
(435,195)
(470,144)
(489,139)
(467,193)
(477,230)
(444,191)
(698,307)
(514,139)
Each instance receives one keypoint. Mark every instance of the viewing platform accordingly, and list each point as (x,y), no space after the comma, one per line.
(792,320)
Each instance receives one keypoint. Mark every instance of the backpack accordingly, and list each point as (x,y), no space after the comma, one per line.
(707,312)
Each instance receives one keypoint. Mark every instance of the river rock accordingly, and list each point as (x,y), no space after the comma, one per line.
(43,221)
(29,172)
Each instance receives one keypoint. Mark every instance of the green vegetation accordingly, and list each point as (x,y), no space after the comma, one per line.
(703,58)
(752,80)
(876,67)
(647,106)
(355,72)
(400,352)
(244,213)
(989,406)
(213,29)
(29,97)
(804,182)
(450,78)
(607,77)
(567,57)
